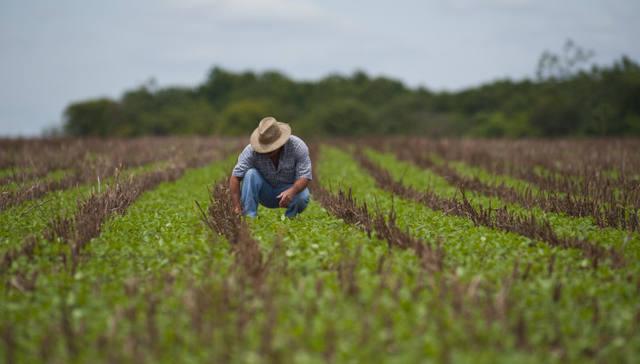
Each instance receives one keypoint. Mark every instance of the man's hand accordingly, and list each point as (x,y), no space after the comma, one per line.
(237,210)
(286,196)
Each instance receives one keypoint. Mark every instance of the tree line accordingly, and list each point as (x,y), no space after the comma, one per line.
(566,98)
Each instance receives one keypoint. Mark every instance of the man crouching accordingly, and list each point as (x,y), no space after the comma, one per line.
(275,170)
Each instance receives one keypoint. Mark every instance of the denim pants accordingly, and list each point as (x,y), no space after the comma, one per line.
(256,190)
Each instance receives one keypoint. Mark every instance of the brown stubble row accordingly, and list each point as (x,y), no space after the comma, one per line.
(574,167)
(91,160)
(28,159)
(222,220)
(32,158)
(525,224)
(343,206)
(570,157)
(610,214)
(92,212)
(248,280)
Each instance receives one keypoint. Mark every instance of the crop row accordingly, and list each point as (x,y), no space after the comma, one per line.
(76,231)
(32,216)
(564,226)
(593,173)
(85,161)
(616,159)
(24,159)
(605,214)
(526,224)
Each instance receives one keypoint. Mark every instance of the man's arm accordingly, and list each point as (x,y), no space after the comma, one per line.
(234,189)
(245,162)
(287,195)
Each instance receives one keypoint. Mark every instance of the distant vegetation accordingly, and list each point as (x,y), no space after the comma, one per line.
(566,98)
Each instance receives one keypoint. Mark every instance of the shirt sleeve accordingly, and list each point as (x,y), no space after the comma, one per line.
(245,162)
(303,162)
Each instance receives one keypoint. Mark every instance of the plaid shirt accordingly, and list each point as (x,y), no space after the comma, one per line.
(294,163)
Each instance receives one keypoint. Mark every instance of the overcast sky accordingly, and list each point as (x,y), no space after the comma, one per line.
(57,52)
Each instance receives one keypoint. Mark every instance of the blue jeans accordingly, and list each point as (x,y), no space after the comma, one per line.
(256,190)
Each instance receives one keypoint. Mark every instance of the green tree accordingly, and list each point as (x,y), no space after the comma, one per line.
(99,117)
(498,124)
(189,116)
(566,98)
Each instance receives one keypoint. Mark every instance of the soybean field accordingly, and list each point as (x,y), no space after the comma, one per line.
(412,250)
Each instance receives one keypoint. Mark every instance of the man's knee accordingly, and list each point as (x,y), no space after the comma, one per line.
(298,204)
(302,198)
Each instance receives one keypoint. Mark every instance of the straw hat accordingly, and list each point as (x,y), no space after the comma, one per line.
(270,135)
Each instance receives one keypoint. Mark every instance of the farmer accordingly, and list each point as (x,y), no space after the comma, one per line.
(275,170)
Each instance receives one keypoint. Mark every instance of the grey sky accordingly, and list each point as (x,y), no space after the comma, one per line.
(56,52)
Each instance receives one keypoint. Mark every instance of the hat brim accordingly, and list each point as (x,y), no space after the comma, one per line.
(285,133)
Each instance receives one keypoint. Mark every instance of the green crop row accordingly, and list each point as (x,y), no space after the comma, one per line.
(519,185)
(6,172)
(563,225)
(52,176)
(32,216)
